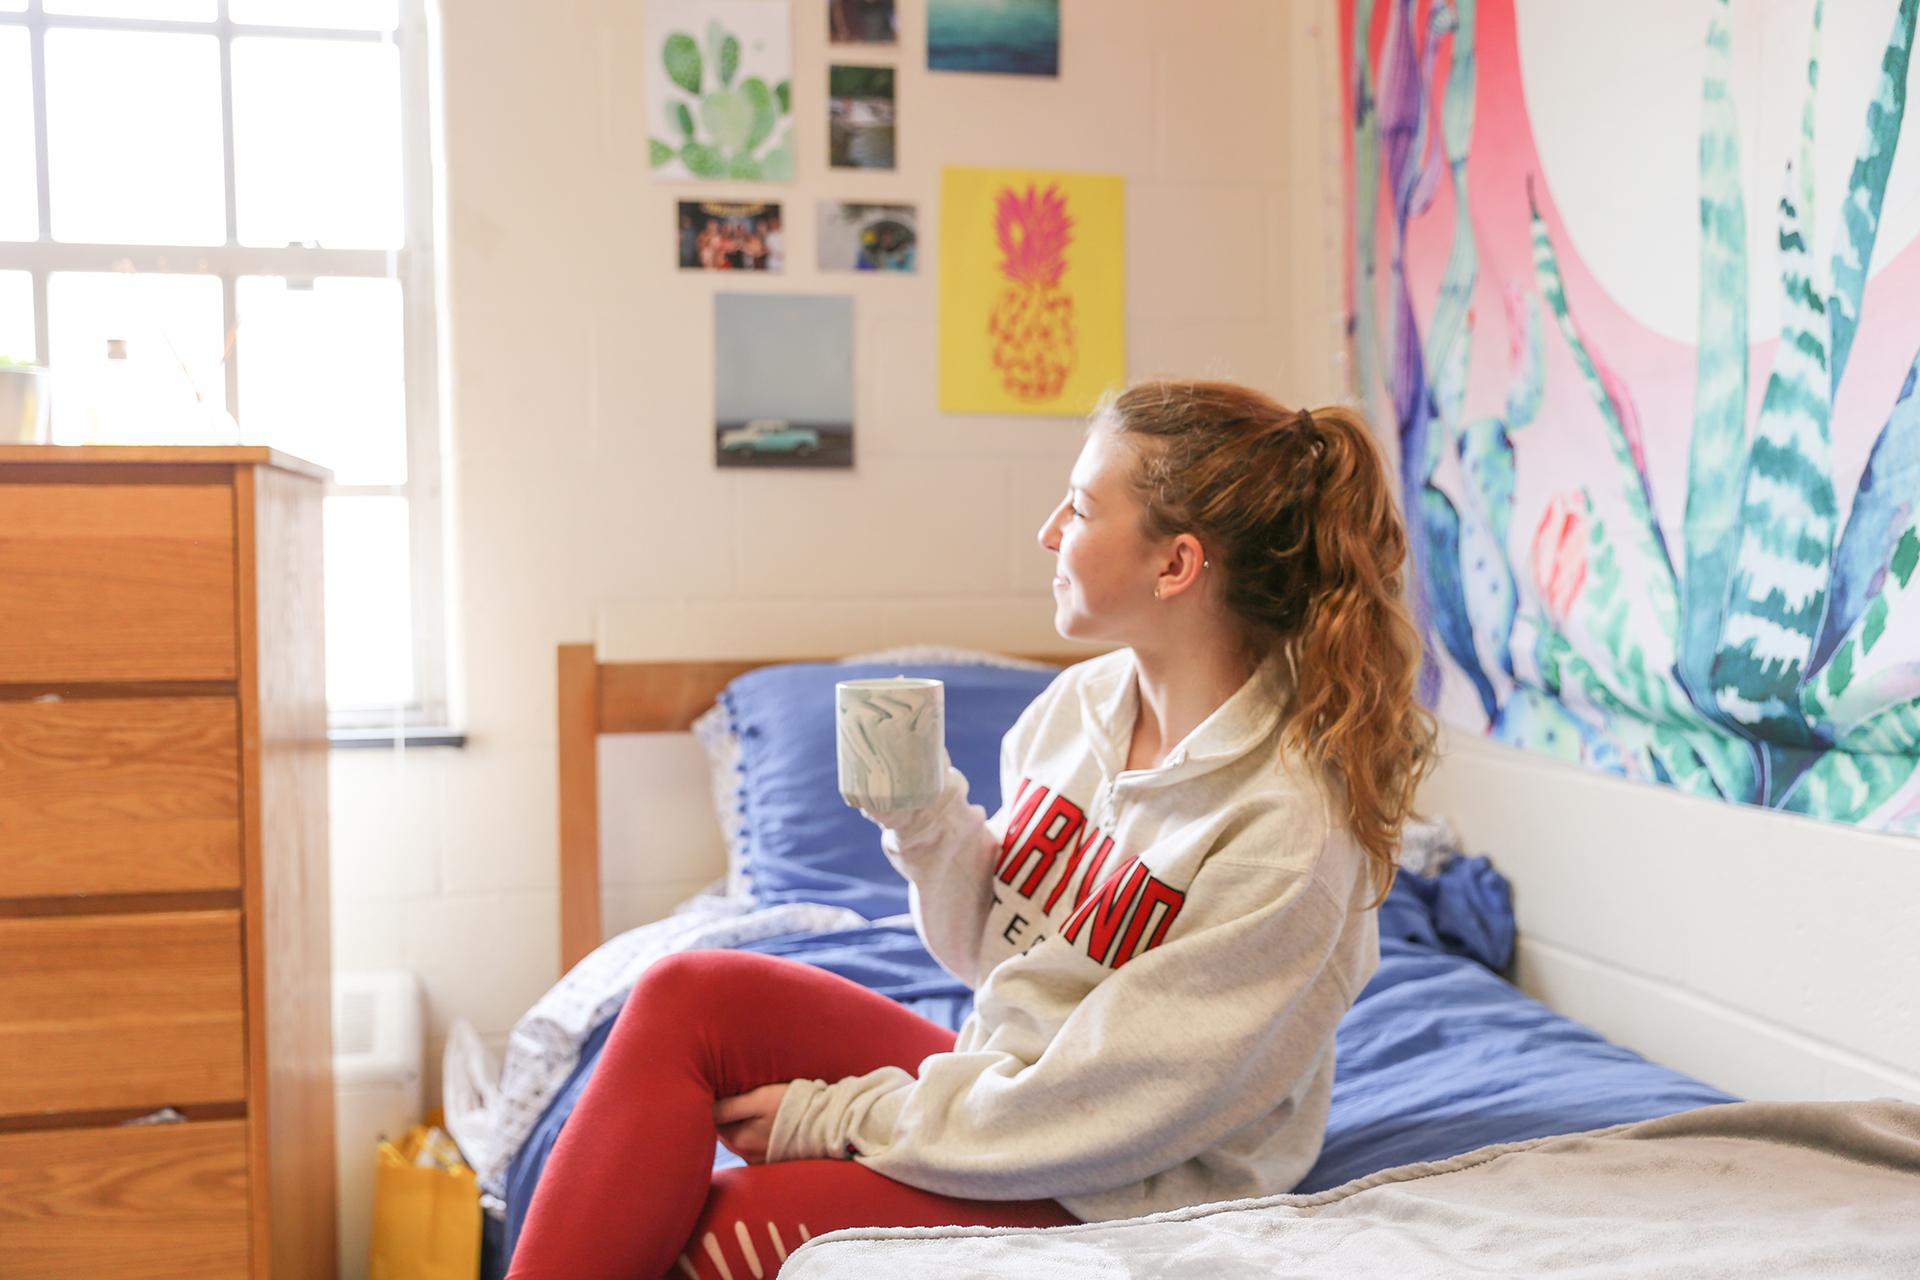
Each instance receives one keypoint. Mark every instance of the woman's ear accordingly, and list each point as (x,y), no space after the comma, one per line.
(1185,563)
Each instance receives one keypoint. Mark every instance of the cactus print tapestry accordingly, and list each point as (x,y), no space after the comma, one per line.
(1032,291)
(1636,289)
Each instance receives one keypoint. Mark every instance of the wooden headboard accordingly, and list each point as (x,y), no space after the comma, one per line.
(629,697)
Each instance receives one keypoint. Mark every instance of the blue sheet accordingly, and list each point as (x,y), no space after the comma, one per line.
(1439,1055)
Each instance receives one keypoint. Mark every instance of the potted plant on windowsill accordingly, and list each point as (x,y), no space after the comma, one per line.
(23,402)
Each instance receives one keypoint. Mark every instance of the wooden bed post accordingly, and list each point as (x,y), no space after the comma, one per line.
(580,922)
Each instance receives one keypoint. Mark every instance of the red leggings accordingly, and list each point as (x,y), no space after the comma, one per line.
(629,1190)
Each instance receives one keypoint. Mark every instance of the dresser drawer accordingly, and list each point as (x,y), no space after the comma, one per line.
(105,1012)
(116,582)
(123,795)
(153,1202)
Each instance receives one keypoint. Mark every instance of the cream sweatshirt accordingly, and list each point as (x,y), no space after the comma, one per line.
(1160,957)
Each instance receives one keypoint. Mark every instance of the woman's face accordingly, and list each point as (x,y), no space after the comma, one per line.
(1104,566)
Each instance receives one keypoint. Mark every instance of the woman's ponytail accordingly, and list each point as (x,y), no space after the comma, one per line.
(1356,656)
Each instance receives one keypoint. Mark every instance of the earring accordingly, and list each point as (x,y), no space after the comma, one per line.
(1156,593)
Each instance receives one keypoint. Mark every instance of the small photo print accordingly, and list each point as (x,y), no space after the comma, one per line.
(1003,37)
(719,235)
(861,22)
(868,237)
(860,117)
(783,380)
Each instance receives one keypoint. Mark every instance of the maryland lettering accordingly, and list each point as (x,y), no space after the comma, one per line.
(1118,909)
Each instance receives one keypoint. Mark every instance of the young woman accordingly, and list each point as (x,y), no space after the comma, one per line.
(1163,924)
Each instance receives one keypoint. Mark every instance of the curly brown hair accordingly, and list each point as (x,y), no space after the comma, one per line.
(1296,510)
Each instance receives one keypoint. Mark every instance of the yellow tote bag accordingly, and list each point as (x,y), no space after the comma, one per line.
(426,1211)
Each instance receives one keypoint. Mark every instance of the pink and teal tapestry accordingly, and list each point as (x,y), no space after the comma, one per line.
(1636,288)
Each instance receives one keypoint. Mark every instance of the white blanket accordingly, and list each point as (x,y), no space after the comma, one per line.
(1744,1189)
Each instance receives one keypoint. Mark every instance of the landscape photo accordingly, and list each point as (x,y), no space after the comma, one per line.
(860,117)
(1002,37)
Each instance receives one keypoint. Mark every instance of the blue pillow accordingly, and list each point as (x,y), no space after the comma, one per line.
(801,842)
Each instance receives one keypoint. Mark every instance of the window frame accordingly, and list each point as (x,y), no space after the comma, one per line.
(432,712)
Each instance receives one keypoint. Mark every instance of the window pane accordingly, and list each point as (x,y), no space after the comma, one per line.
(322,374)
(169,326)
(133,138)
(156,10)
(16,318)
(359,15)
(19,184)
(369,603)
(13,6)
(316,142)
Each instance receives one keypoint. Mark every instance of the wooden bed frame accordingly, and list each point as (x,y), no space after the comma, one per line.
(629,697)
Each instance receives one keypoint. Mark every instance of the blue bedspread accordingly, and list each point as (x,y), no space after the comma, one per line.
(1439,1054)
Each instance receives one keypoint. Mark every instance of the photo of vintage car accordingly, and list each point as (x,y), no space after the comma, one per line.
(770,435)
(782,381)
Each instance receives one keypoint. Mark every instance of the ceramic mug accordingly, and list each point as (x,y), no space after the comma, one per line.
(891,734)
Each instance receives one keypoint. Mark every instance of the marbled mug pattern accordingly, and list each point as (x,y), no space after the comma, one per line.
(890,734)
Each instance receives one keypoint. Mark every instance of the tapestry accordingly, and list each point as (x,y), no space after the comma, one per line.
(1635,288)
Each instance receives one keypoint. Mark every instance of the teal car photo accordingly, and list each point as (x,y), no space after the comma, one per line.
(770,435)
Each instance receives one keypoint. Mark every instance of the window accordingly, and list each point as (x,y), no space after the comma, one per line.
(216,228)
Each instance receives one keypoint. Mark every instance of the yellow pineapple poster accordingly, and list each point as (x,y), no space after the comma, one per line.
(1033,299)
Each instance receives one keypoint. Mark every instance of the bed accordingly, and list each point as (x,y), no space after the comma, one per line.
(1439,1057)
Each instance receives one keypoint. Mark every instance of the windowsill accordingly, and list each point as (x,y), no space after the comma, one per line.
(358,739)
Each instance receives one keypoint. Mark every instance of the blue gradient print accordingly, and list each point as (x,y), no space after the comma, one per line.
(1011,37)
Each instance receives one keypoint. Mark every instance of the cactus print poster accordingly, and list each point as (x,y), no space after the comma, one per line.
(719,89)
(1032,290)
(1648,348)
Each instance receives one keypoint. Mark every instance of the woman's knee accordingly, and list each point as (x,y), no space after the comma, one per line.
(688,982)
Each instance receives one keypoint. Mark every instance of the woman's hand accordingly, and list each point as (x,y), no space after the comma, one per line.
(745,1121)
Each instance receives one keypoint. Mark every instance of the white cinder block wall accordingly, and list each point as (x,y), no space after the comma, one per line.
(1768,954)
(586,502)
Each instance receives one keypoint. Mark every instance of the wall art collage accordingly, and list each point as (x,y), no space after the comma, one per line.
(1030,268)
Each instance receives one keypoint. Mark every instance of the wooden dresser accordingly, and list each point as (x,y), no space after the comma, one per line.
(163,866)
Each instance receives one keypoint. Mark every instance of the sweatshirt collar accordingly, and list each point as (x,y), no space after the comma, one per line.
(1110,698)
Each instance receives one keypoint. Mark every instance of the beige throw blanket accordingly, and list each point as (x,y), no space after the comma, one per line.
(1745,1189)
